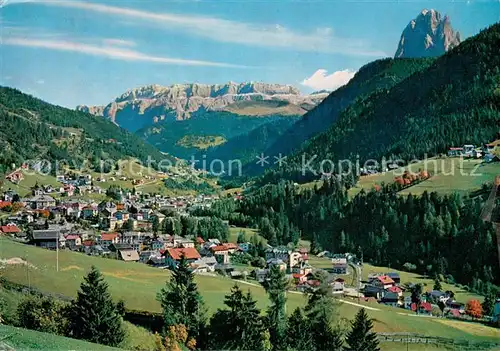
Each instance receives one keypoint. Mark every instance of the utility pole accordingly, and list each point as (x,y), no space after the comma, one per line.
(57,253)
(27,270)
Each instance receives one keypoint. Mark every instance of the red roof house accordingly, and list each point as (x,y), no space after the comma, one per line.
(383,281)
(425,307)
(189,253)
(109,237)
(72,237)
(9,229)
(299,278)
(313,283)
(88,243)
(200,240)
(15,177)
(4,204)
(231,246)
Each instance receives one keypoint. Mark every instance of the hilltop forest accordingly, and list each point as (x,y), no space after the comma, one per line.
(33,129)
(453,101)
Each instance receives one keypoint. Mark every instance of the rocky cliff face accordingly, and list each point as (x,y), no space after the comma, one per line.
(427,35)
(146,105)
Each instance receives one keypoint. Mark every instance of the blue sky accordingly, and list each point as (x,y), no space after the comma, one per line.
(80,52)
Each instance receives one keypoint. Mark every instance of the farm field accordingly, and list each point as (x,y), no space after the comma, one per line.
(406,277)
(138,284)
(249,233)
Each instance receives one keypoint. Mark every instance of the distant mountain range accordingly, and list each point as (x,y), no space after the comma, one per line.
(145,106)
(186,119)
(428,35)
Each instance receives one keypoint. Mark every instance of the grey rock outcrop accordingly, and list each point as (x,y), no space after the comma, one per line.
(149,104)
(428,35)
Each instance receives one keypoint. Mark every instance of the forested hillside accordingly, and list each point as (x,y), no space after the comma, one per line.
(426,234)
(381,74)
(31,129)
(455,101)
(209,129)
(246,147)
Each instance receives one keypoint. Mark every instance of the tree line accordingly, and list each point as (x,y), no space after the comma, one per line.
(425,234)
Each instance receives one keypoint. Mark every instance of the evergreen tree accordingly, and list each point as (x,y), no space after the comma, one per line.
(488,304)
(437,284)
(361,338)
(156,225)
(416,296)
(93,315)
(321,314)
(298,331)
(181,302)
(276,288)
(241,237)
(240,327)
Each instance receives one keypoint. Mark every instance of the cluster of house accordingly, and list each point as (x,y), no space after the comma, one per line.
(487,151)
(135,207)
(387,289)
(163,250)
(291,261)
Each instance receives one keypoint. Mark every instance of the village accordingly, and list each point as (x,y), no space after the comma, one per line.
(125,227)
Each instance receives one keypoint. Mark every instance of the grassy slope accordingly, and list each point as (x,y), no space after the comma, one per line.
(130,169)
(30,179)
(249,233)
(24,339)
(449,175)
(138,284)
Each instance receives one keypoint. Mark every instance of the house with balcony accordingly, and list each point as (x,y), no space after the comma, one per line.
(40,202)
(339,265)
(48,238)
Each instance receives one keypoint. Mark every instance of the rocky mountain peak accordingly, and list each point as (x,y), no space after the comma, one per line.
(428,35)
(152,103)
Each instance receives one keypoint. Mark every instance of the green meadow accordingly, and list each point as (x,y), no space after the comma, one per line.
(138,284)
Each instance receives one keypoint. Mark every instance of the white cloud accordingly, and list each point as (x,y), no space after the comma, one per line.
(4,3)
(40,81)
(320,40)
(111,52)
(118,42)
(321,80)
